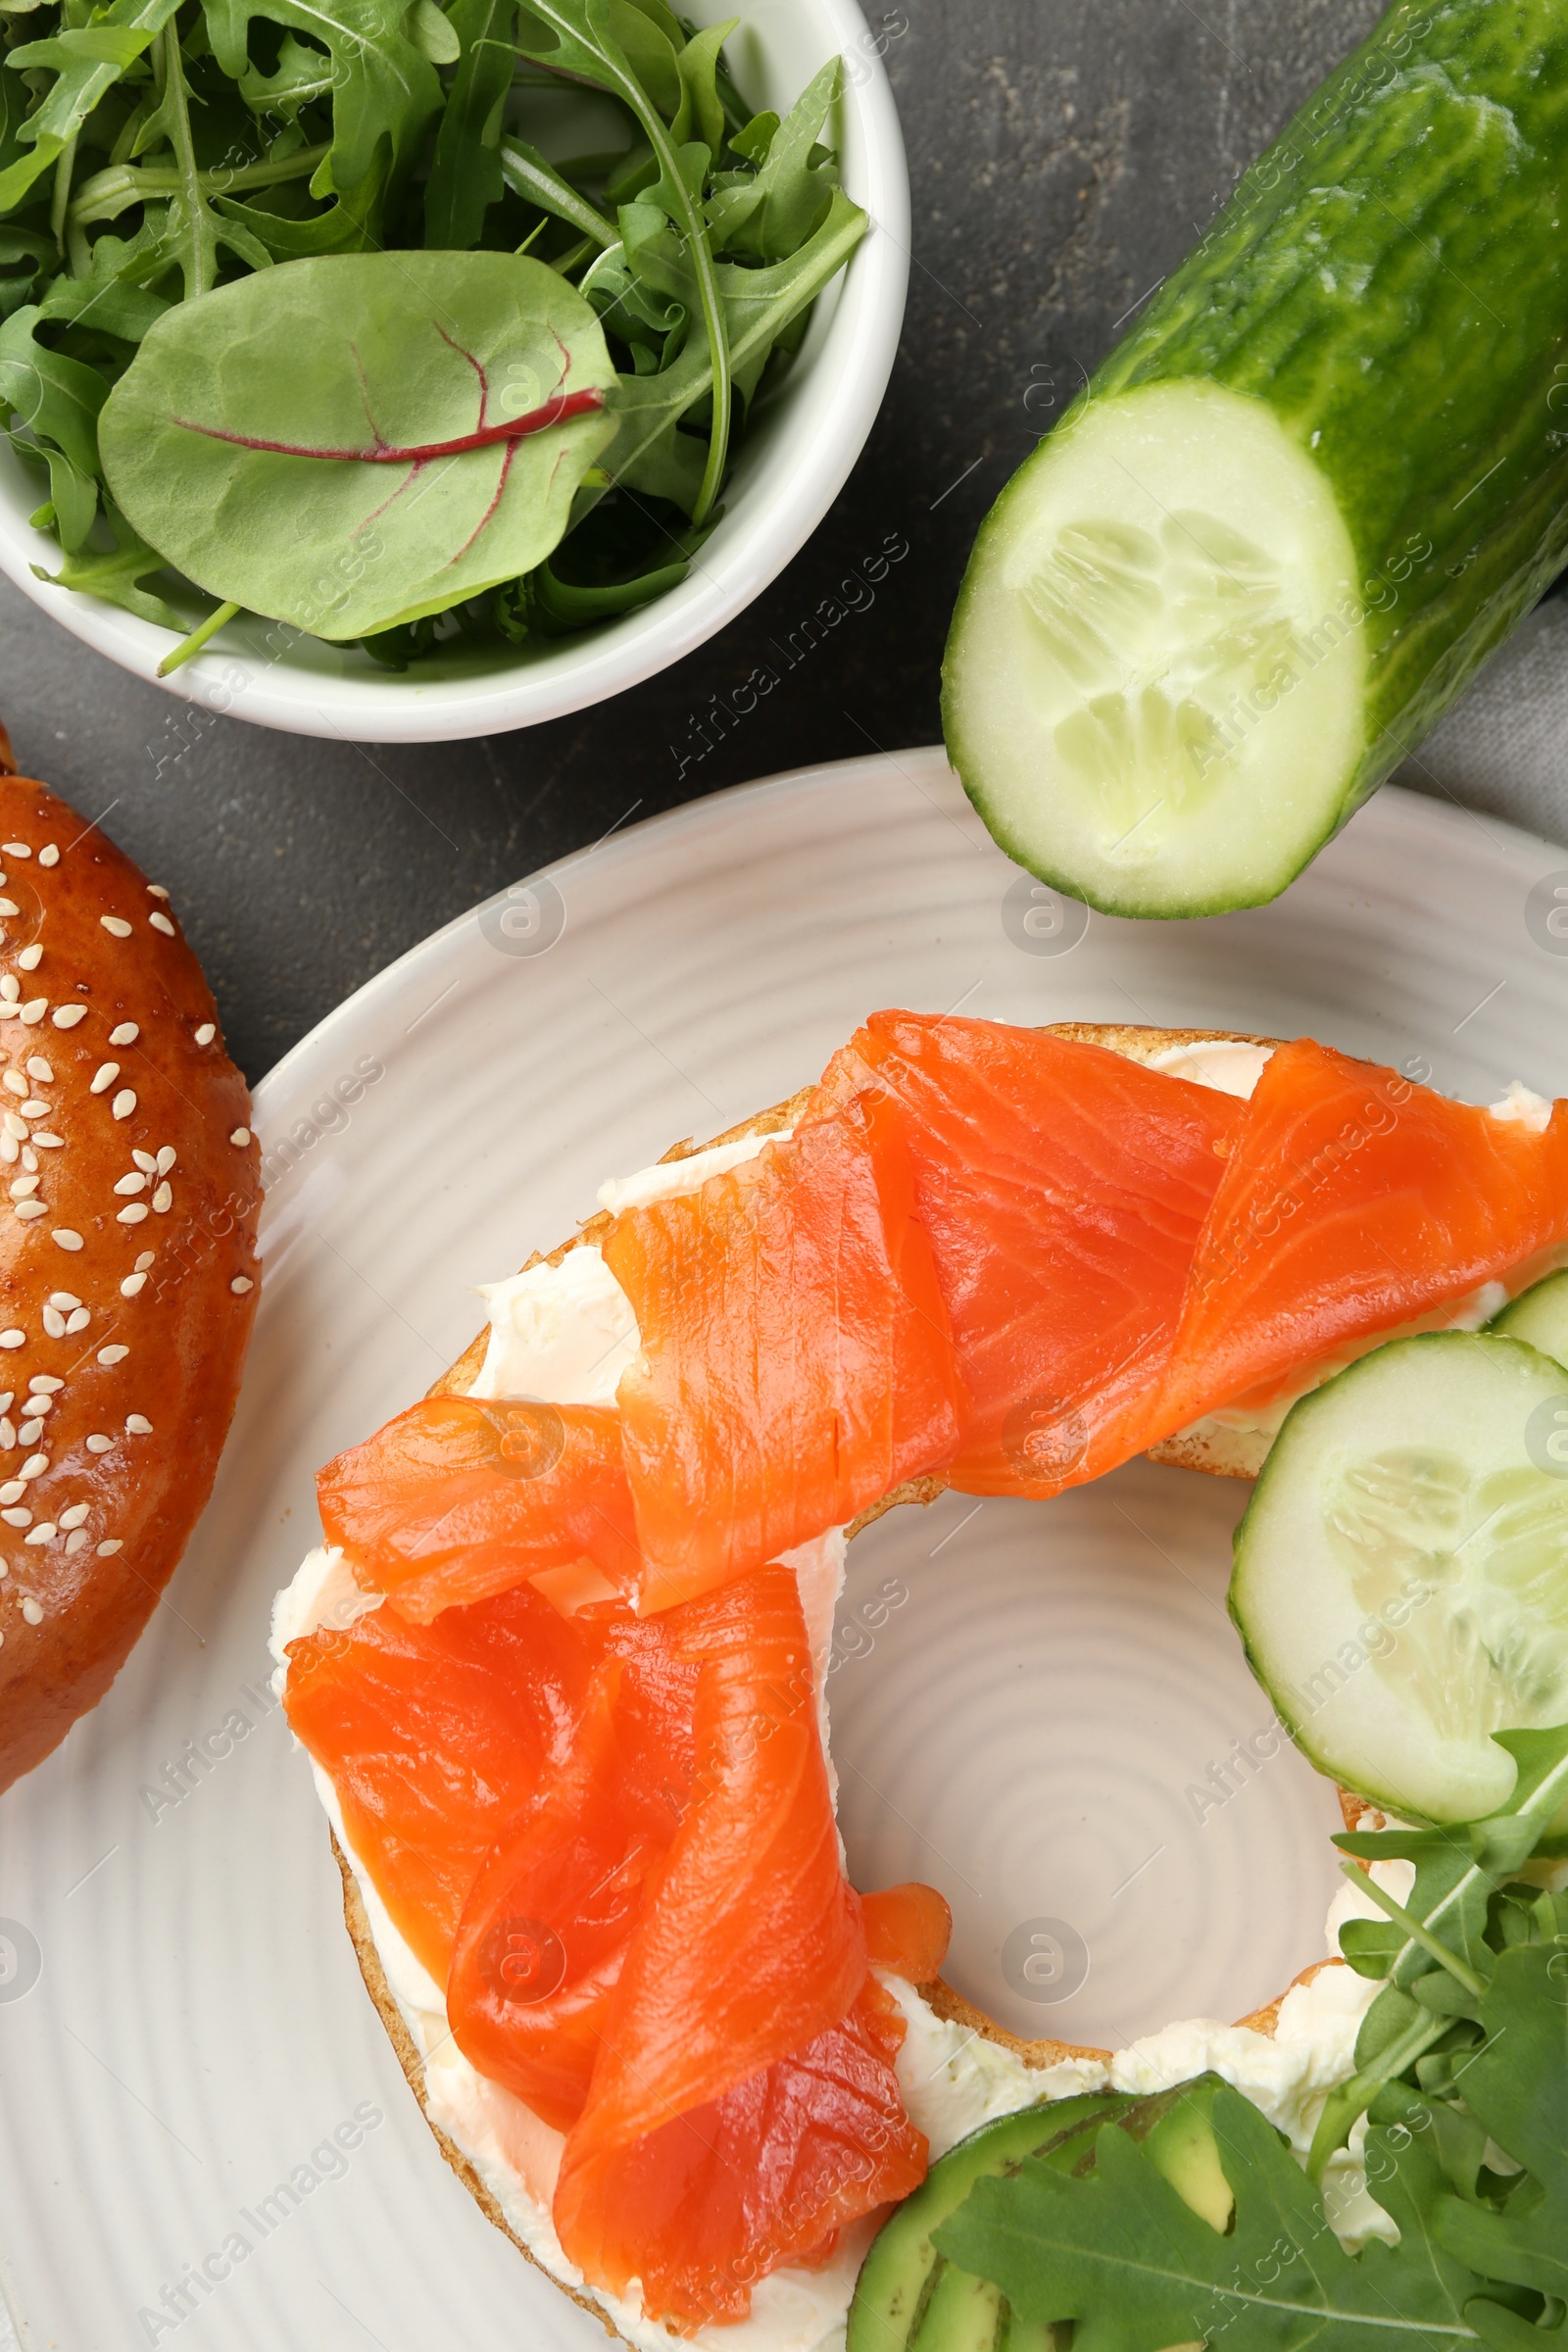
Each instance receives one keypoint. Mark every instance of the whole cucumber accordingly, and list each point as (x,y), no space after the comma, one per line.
(1303,500)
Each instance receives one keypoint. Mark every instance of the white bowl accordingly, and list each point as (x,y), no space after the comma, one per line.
(787,472)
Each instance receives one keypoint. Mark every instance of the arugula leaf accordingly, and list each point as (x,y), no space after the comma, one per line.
(774,210)
(385,92)
(117,576)
(648,453)
(433,415)
(58,397)
(192,232)
(1118,2252)
(466,173)
(86,61)
(1517,2085)
(608,43)
(700,113)
(525,170)
(1457,1871)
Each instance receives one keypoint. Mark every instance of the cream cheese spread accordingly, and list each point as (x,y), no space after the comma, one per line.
(563,1334)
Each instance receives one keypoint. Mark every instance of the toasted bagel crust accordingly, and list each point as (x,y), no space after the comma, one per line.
(118,1276)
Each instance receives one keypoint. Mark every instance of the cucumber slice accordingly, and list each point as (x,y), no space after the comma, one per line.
(1310,492)
(1538,1317)
(1401,1573)
(903,2276)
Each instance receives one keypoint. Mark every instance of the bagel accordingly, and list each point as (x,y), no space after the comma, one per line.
(127,1263)
(1286,2053)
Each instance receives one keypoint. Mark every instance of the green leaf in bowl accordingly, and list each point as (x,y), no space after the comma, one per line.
(348,443)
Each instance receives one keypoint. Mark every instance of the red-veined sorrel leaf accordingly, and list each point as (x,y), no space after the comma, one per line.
(353,441)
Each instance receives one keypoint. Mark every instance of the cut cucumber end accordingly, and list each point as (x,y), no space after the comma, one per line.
(1154,684)
(1401,1572)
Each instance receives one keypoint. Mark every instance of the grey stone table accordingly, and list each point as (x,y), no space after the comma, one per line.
(1064,155)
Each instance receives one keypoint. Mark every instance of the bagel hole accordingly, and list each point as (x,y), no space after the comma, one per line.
(1043,1710)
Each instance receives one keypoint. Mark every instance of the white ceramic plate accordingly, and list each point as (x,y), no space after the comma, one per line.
(787,474)
(1028,1696)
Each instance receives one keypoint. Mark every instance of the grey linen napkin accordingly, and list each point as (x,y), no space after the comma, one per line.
(1503,746)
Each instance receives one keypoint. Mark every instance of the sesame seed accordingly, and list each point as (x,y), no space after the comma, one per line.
(7,1401)
(54,1322)
(49,1140)
(13,1337)
(155,890)
(26,1209)
(17,849)
(163,1200)
(66,1017)
(38,1068)
(44,1533)
(16,1082)
(13,1490)
(116,925)
(18,1516)
(16,1126)
(68,1299)
(33,1010)
(206,1033)
(114,1544)
(49,855)
(138,1425)
(241,1284)
(34,1466)
(30,958)
(23,1186)
(9,907)
(161,923)
(50,1383)
(76,1541)
(8,1436)
(40,1400)
(10,988)
(31,1611)
(35,1110)
(114,1355)
(66,1238)
(29,1159)
(145,1260)
(241,1135)
(78,1320)
(123,1104)
(10,1149)
(135,1214)
(135,1182)
(103,1076)
(30,1432)
(98,1444)
(166,1156)
(125,1035)
(133,1286)
(75,1515)
(146,1162)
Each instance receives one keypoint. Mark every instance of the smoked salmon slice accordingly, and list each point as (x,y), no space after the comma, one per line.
(459,1497)
(744,2106)
(1354,1202)
(435,1737)
(795,1359)
(768,2174)
(1062,1189)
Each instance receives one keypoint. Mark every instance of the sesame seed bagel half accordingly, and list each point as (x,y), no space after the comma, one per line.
(129,1199)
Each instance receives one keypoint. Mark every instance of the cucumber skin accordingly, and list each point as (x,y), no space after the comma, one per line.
(1448,453)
